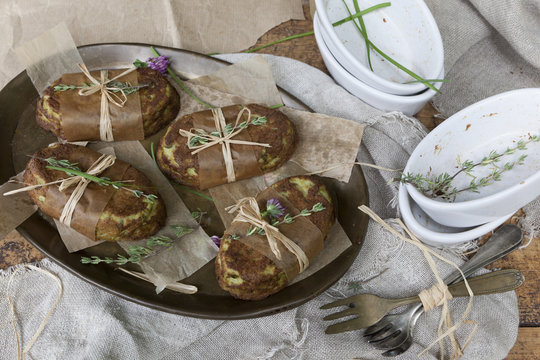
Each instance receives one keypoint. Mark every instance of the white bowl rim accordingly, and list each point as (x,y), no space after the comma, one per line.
(413,88)
(442,238)
(404,99)
(463,205)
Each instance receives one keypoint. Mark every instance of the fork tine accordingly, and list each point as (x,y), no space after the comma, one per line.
(341,302)
(383,336)
(374,329)
(346,312)
(349,325)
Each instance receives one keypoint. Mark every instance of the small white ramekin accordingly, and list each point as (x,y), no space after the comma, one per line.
(435,234)
(409,105)
(406,31)
(493,124)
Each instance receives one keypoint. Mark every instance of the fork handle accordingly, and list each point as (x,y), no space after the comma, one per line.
(504,241)
(490,283)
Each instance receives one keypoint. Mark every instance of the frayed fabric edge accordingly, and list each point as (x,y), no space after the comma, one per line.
(294,346)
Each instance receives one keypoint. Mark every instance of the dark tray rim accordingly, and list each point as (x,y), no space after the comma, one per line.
(33,228)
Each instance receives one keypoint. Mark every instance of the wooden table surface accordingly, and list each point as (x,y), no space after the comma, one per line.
(14,249)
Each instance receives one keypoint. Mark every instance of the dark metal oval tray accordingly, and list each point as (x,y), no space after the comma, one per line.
(21,137)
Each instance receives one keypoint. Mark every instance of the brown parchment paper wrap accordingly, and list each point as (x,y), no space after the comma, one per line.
(81,114)
(72,239)
(53,55)
(302,231)
(325,142)
(94,199)
(212,169)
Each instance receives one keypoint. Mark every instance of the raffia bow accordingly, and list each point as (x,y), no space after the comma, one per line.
(109,94)
(100,165)
(220,137)
(249,212)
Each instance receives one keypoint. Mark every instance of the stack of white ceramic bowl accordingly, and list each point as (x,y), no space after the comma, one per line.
(496,124)
(405,31)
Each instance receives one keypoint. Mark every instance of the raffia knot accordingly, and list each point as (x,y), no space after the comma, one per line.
(435,296)
(249,212)
(220,136)
(100,165)
(109,94)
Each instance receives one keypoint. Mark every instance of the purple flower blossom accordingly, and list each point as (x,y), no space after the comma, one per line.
(159,63)
(216,239)
(274,209)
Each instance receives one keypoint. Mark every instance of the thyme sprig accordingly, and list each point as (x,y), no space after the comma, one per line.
(180,83)
(114,86)
(138,252)
(181,230)
(256,121)
(287,219)
(440,186)
(73,170)
(198,215)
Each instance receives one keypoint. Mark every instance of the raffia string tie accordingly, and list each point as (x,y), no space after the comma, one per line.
(220,137)
(109,94)
(435,296)
(345,164)
(21,352)
(249,212)
(100,165)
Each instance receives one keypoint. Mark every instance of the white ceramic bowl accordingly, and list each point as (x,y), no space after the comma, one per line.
(406,31)
(409,105)
(495,123)
(435,234)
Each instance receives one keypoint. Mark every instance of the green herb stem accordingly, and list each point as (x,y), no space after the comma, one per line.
(73,171)
(195,192)
(392,61)
(430,80)
(280,41)
(337,23)
(362,30)
(93,178)
(137,252)
(287,219)
(361,13)
(181,84)
(153,154)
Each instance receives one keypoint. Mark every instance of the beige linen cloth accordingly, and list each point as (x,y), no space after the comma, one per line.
(491,46)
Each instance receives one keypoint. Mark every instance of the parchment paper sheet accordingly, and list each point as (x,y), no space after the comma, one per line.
(205,26)
(14,209)
(48,56)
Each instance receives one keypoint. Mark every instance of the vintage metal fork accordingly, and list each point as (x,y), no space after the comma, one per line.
(371,308)
(394,332)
